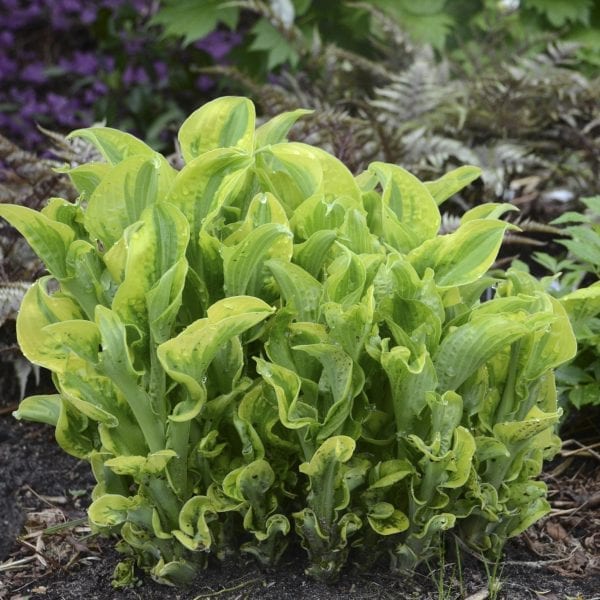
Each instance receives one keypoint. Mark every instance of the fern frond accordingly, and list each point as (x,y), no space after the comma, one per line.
(423,88)
(28,179)
(531,226)
(422,149)
(75,151)
(11,295)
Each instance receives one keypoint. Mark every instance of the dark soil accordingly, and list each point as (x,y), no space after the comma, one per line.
(40,486)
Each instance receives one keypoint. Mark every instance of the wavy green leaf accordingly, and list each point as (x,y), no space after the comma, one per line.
(275,130)
(285,385)
(328,490)
(461,257)
(300,290)
(154,245)
(244,264)
(408,204)
(291,171)
(134,184)
(452,182)
(113,144)
(186,357)
(50,240)
(386,520)
(469,346)
(226,122)
(44,408)
(51,327)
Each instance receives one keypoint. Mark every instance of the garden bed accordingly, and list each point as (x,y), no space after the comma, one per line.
(42,486)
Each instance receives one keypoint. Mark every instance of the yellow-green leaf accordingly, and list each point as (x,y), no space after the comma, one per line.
(461,257)
(275,130)
(44,408)
(410,202)
(50,240)
(186,357)
(119,200)
(223,123)
(446,186)
(113,144)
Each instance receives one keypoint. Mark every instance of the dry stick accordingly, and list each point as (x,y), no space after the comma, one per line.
(537,564)
(578,473)
(583,450)
(562,467)
(540,564)
(591,502)
(32,581)
(40,554)
(6,410)
(48,499)
(15,564)
(231,589)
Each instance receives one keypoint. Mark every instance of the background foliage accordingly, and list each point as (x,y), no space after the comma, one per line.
(69,63)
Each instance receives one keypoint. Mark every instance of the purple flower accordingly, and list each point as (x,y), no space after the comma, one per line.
(78,72)
(215,45)
(99,87)
(71,5)
(143,7)
(8,67)
(84,63)
(57,103)
(218,44)
(134,76)
(34,73)
(22,17)
(7,38)
(31,108)
(60,22)
(95,91)
(133,46)
(89,96)
(22,96)
(11,5)
(161,70)
(205,83)
(88,15)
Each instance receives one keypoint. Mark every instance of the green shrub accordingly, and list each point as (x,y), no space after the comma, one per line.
(474,33)
(574,281)
(262,340)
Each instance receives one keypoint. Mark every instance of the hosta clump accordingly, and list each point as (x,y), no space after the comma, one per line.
(262,346)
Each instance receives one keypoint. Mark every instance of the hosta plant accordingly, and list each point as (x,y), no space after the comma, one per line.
(261,347)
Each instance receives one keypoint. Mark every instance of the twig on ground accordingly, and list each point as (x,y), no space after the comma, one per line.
(49,500)
(239,586)
(42,557)
(7,410)
(591,502)
(11,564)
(540,564)
(582,450)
